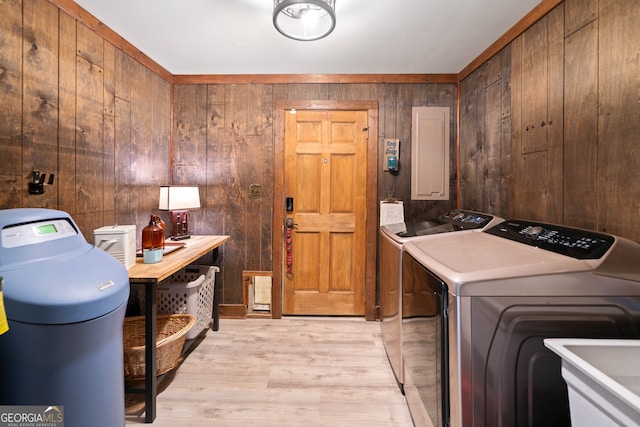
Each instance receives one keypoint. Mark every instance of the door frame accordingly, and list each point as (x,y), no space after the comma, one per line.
(372,196)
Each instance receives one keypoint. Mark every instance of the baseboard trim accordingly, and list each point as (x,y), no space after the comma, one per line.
(233,311)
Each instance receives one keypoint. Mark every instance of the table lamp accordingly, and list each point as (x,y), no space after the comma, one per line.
(176,200)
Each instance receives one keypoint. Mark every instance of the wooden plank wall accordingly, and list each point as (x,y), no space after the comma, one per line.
(224,143)
(548,130)
(74,105)
(485,150)
(618,157)
(567,151)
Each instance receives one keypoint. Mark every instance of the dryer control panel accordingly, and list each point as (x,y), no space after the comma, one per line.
(574,242)
(466,219)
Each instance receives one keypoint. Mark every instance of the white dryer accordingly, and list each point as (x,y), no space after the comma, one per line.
(490,299)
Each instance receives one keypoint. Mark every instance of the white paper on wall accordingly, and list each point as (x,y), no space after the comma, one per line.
(391,212)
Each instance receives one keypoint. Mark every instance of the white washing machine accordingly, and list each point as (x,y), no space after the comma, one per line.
(392,237)
(475,356)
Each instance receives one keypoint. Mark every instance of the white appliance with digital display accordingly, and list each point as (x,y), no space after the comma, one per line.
(394,306)
(41,231)
(491,298)
(65,302)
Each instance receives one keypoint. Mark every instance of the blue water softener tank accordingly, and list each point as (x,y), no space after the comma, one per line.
(65,302)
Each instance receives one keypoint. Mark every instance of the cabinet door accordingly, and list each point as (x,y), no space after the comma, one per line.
(430,153)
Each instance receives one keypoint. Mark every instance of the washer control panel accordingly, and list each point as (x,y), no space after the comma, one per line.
(574,242)
(466,219)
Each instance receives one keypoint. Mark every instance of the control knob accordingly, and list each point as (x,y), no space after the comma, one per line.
(534,232)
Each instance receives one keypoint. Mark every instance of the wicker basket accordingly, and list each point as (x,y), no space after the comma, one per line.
(170,337)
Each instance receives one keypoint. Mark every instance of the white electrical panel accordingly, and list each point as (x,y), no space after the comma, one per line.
(430,153)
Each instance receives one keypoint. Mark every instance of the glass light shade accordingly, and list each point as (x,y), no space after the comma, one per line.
(304,20)
(179,197)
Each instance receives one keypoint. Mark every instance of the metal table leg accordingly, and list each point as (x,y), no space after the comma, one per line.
(216,307)
(150,380)
(217,258)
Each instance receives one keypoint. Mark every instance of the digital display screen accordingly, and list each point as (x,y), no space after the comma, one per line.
(46,229)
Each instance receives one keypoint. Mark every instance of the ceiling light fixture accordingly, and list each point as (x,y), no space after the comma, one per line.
(304,20)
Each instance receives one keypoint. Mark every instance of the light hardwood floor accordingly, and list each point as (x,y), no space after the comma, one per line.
(286,372)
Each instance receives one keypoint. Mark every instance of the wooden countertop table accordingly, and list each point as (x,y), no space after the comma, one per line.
(149,275)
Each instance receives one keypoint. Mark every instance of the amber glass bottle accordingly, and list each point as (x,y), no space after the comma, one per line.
(152,235)
(162,225)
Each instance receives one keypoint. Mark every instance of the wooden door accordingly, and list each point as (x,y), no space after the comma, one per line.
(325,175)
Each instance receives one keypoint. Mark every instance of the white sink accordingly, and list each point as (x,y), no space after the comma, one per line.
(603,379)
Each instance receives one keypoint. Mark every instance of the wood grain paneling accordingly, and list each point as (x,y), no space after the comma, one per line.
(583,169)
(395,104)
(535,88)
(113,138)
(505,136)
(618,123)
(108,111)
(123,75)
(581,127)
(555,134)
(485,128)
(516,127)
(123,155)
(470,91)
(149,146)
(160,125)
(40,97)
(80,102)
(260,173)
(67,109)
(493,133)
(66,180)
(190,143)
(537,59)
(240,152)
(89,137)
(123,176)
(12,182)
(387,187)
(233,154)
(399,121)
(90,46)
(91,22)
(579,13)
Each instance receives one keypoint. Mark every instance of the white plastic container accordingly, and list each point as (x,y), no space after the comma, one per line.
(603,380)
(188,291)
(119,241)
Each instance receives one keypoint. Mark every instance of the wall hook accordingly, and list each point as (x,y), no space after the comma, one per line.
(36,186)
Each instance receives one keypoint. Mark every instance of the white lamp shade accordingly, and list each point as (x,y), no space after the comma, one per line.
(177,198)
